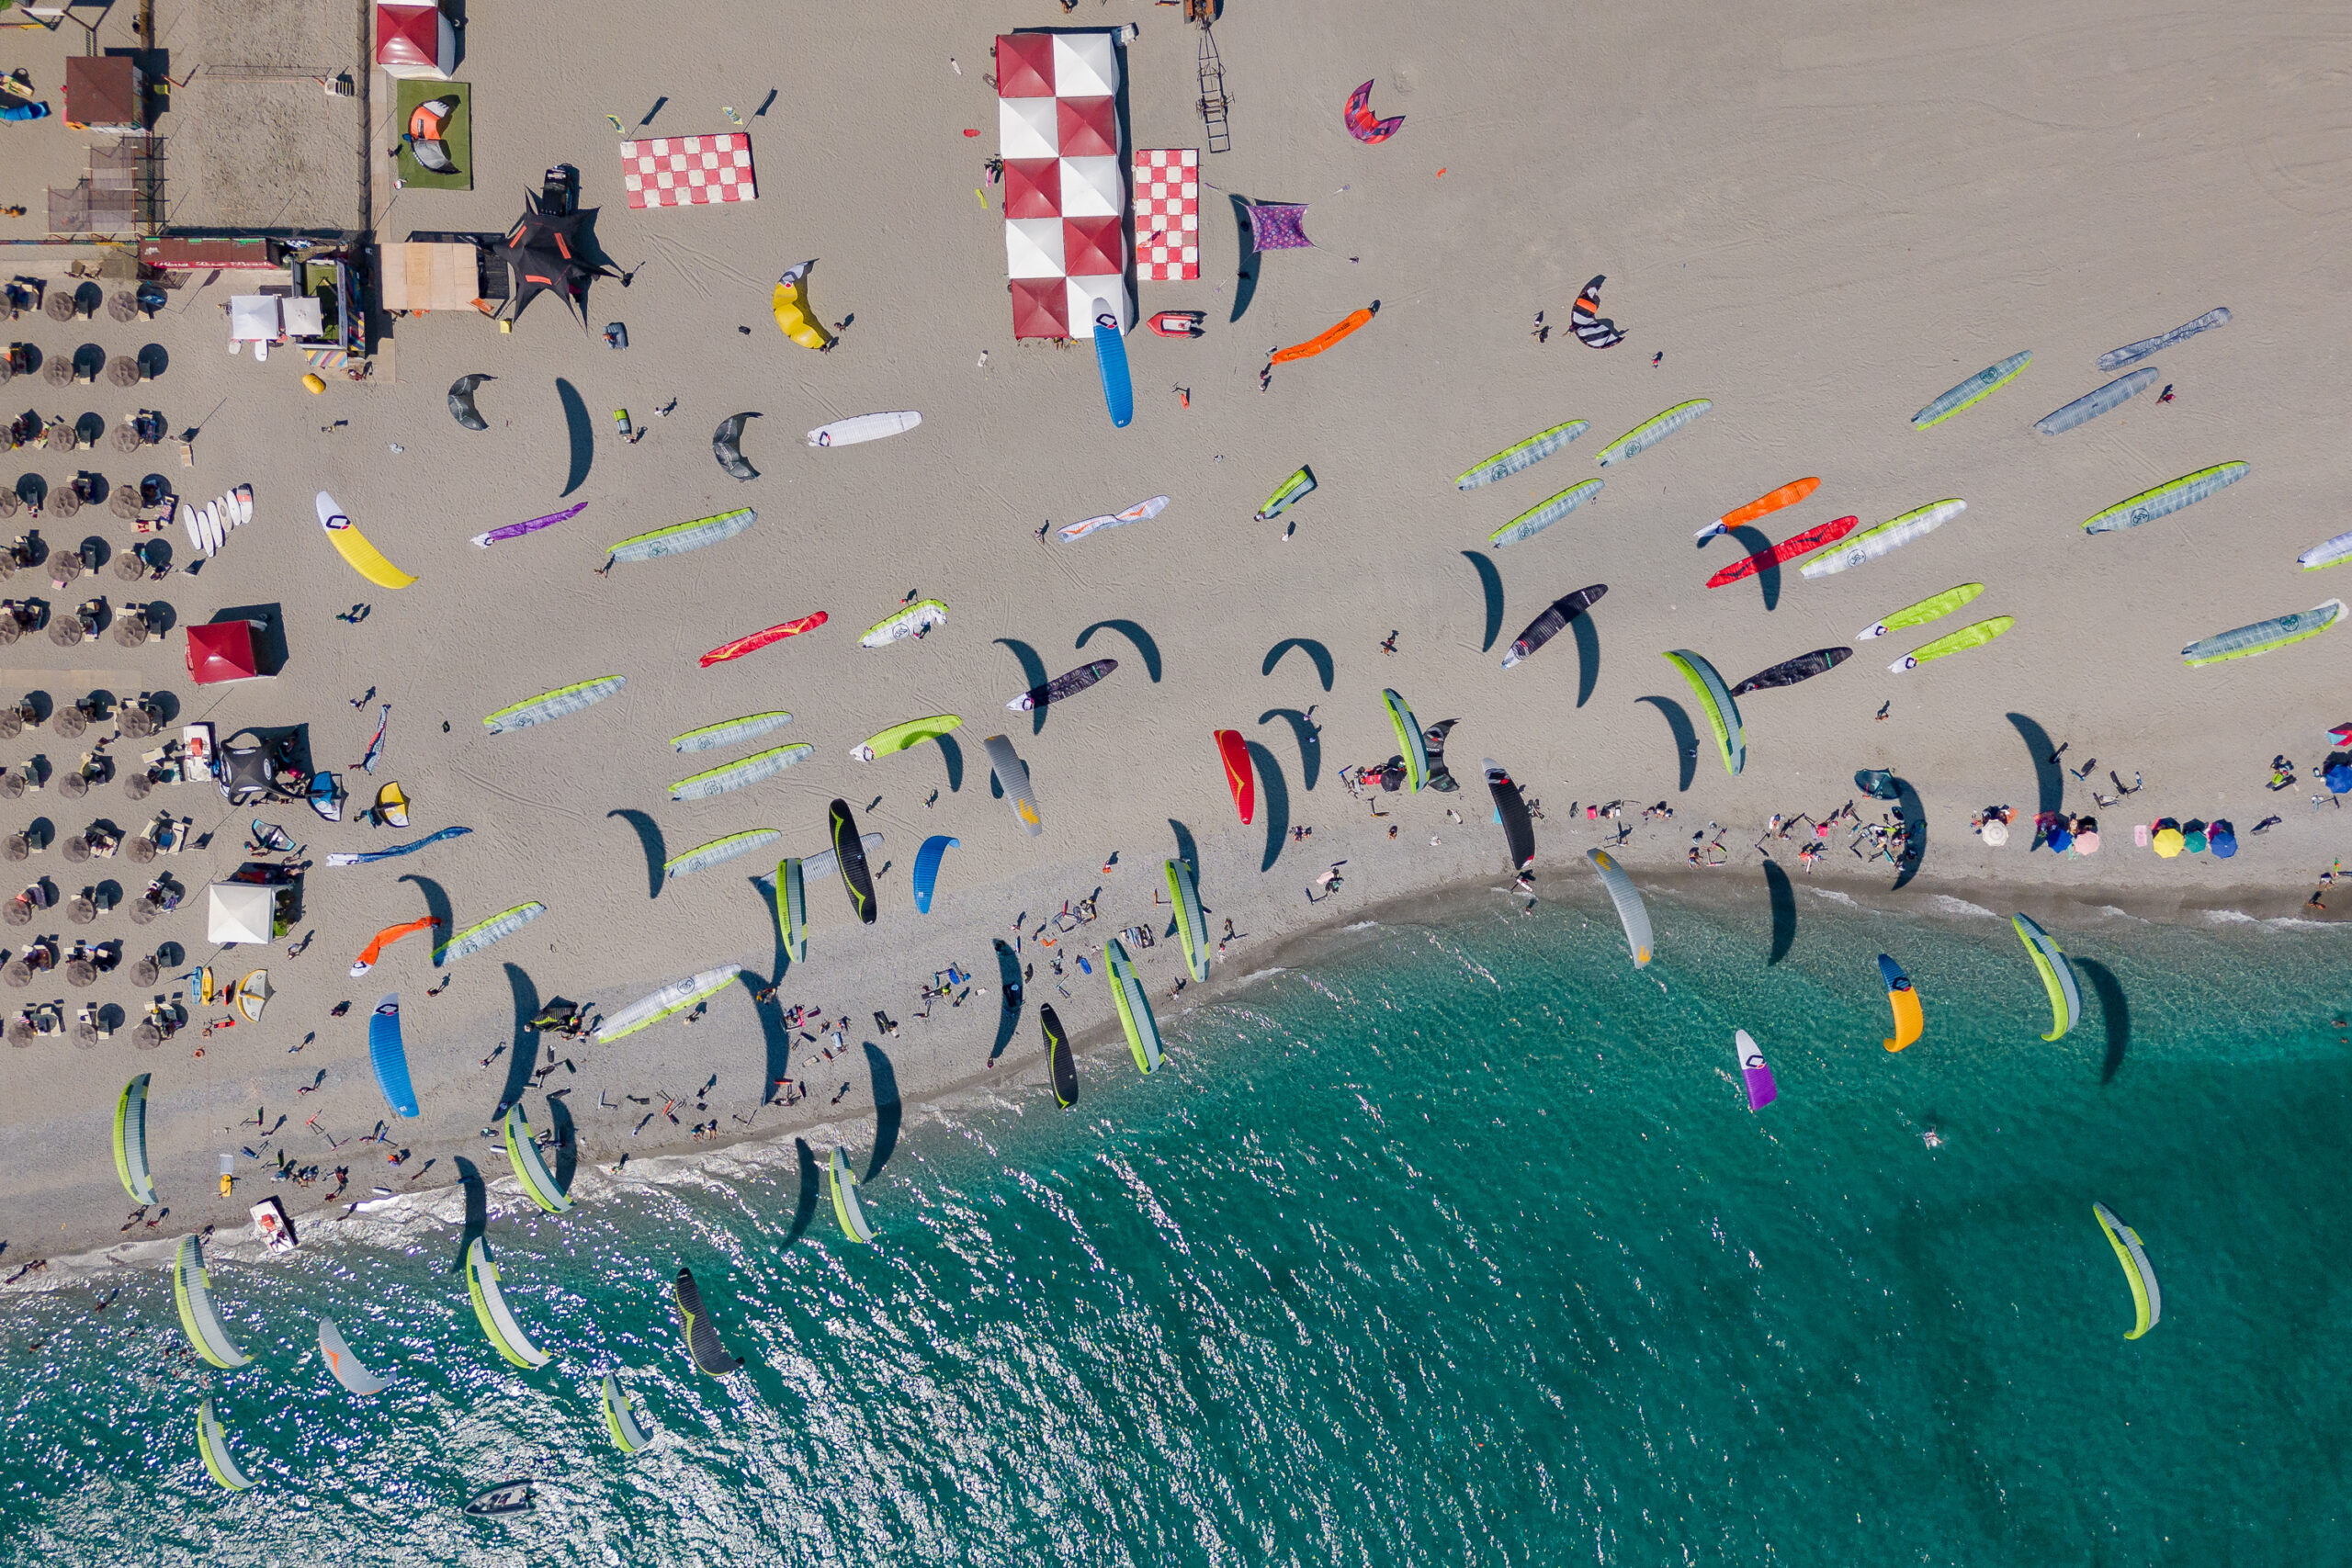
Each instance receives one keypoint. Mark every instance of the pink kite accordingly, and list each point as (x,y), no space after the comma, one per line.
(1362,125)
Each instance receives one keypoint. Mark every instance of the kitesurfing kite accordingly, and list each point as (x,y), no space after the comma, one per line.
(461,402)
(1761,1091)
(791,305)
(1511,810)
(2147,1302)
(428,137)
(1361,123)
(727,446)
(2057,976)
(1630,912)
(1715,700)
(1903,998)
(759,640)
(1326,337)
(1592,328)
(516,530)
(384,938)
(1239,778)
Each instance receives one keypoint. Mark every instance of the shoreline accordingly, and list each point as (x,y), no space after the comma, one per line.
(1451,901)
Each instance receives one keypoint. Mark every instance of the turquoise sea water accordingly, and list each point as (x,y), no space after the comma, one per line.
(1460,1246)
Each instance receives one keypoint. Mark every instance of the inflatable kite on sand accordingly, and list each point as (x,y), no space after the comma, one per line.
(1325,338)
(384,938)
(1592,328)
(1361,123)
(791,303)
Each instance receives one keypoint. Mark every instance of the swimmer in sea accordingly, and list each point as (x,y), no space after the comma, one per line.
(1932,1138)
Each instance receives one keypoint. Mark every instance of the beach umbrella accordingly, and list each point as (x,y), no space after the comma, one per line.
(2166,843)
(1996,833)
(2087,843)
(81,972)
(2194,842)
(2060,841)
(2338,777)
(2224,839)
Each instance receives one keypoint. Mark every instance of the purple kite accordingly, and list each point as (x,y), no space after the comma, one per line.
(1761,1090)
(1362,125)
(516,530)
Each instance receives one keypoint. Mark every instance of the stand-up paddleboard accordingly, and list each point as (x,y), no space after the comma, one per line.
(1935,607)
(1110,359)
(1966,638)
(1789,671)
(757,640)
(516,530)
(1239,777)
(912,621)
(849,858)
(1974,391)
(900,737)
(1543,514)
(864,427)
(1061,687)
(1013,777)
(1766,504)
(1527,454)
(1287,494)
(1061,1062)
(506,1498)
(352,545)
(241,501)
(1553,622)
(1141,511)
(2090,405)
(1788,550)
(1872,542)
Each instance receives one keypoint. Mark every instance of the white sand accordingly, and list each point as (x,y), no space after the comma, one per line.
(1822,215)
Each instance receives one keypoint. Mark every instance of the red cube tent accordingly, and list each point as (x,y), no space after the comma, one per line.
(414,40)
(221,651)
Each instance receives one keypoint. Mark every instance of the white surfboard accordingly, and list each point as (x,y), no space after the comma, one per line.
(208,522)
(864,427)
(188,524)
(244,498)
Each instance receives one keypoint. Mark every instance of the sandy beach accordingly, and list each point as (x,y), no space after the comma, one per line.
(1821,216)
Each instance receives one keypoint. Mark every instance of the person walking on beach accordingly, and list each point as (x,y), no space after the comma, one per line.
(1388,645)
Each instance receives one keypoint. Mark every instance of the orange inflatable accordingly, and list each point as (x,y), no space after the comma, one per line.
(1324,340)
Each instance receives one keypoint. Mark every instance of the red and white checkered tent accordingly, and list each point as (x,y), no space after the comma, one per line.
(1067,242)
(688,171)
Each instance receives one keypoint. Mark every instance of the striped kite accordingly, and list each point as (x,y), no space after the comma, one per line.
(1592,328)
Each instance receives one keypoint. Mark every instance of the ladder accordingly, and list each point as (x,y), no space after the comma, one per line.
(1213,102)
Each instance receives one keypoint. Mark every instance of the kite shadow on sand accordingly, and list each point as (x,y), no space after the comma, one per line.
(1783,897)
(2114,1010)
(524,1055)
(648,838)
(2049,782)
(1274,795)
(1134,634)
(886,1109)
(567,1140)
(777,1038)
(436,904)
(1032,675)
(1245,276)
(1754,542)
(1686,739)
(1310,742)
(1915,840)
(1588,656)
(1490,584)
(582,432)
(1312,648)
(952,756)
(476,1196)
(805,1210)
(1007,977)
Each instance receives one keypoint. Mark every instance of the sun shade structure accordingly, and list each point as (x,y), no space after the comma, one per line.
(222,650)
(1066,179)
(240,912)
(414,41)
(1278,226)
(548,252)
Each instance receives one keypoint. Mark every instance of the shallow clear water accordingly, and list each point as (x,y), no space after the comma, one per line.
(1461,1246)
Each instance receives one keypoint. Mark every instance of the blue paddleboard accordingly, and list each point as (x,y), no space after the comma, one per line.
(1111,358)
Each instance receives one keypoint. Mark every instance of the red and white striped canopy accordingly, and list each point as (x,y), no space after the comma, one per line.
(1067,239)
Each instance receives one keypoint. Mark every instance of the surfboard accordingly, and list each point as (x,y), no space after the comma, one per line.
(242,498)
(1239,776)
(1141,511)
(1110,360)
(757,640)
(900,737)
(864,427)
(1788,550)
(357,553)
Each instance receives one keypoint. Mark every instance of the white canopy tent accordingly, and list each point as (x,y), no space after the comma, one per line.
(241,911)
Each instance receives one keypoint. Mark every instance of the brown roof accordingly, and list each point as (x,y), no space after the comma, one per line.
(101,89)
